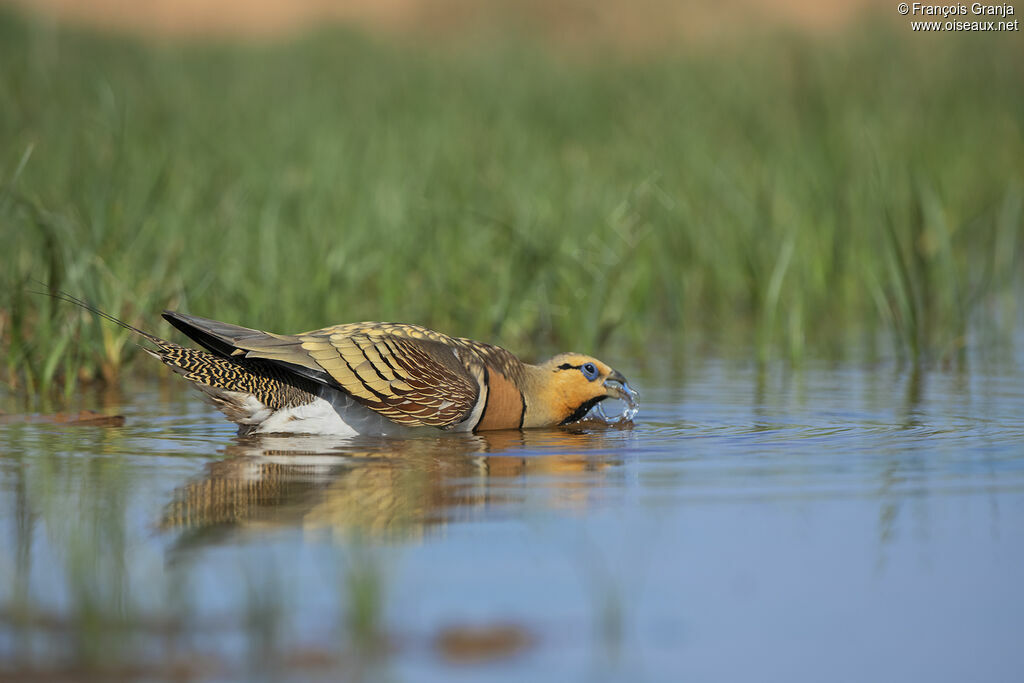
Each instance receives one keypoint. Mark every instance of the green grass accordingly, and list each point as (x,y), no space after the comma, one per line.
(785,195)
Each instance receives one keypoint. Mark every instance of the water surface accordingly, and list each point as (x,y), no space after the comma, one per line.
(837,522)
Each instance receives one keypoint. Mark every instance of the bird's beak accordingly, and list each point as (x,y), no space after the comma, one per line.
(616,386)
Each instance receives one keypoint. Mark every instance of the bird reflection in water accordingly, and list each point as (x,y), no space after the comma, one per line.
(388,488)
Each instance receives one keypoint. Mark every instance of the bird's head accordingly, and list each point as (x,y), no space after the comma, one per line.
(569,385)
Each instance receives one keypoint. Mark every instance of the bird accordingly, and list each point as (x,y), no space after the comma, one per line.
(377,378)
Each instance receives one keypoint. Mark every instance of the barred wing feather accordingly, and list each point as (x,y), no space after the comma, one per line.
(409,374)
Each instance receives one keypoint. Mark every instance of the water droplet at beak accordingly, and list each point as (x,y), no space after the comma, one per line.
(617,387)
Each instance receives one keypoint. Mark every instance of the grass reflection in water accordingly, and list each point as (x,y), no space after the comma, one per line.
(124,596)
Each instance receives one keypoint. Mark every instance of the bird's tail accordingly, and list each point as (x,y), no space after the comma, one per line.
(81,303)
(246,391)
(194,365)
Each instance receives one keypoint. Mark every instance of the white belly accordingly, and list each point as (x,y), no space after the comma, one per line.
(340,416)
(333,413)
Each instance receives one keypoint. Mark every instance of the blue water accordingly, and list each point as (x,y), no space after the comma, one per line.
(835,522)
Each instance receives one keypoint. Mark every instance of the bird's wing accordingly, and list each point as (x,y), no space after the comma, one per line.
(407,373)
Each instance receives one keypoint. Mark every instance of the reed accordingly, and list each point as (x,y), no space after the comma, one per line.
(785,196)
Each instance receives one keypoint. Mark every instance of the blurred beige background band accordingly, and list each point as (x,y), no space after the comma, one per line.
(623,21)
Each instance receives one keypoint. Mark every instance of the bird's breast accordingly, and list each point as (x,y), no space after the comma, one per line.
(504,407)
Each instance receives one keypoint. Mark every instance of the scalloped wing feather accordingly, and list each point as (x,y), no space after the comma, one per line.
(410,374)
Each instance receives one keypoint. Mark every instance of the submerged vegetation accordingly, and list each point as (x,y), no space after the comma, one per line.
(795,193)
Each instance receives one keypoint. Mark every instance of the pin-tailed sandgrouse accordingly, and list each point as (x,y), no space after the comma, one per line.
(379,378)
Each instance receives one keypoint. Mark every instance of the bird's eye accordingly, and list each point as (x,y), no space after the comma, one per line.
(589,371)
